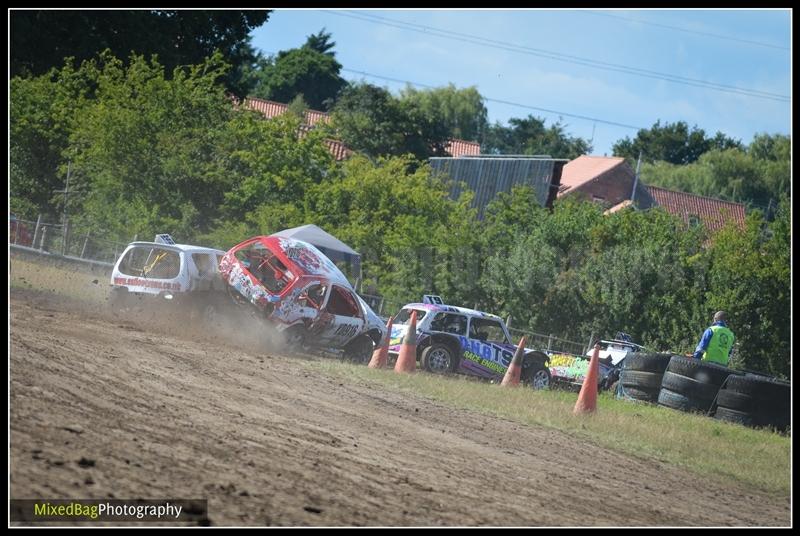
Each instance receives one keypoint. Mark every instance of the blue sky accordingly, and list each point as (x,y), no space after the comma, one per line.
(722,47)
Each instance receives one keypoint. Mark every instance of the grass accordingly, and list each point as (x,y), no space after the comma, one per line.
(705,446)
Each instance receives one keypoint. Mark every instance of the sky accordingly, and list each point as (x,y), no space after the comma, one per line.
(572,66)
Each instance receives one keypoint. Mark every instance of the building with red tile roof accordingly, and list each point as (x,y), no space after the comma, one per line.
(272,109)
(609,181)
(694,209)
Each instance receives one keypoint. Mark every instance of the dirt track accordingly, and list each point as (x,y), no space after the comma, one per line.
(270,443)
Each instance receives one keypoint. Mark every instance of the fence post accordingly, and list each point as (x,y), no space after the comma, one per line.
(16,231)
(36,230)
(549,342)
(85,241)
(508,321)
(64,238)
(380,307)
(591,340)
(44,235)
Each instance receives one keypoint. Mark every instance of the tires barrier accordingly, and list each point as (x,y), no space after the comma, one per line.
(640,377)
(755,401)
(692,385)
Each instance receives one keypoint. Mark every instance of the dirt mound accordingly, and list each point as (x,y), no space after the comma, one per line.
(107,408)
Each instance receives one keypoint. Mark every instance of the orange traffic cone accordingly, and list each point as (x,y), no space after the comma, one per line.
(381,354)
(407,359)
(514,371)
(587,399)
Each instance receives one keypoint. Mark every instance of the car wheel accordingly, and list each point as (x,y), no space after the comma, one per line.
(294,338)
(438,358)
(540,379)
(360,350)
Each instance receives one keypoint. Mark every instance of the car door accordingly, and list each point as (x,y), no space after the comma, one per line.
(483,354)
(341,318)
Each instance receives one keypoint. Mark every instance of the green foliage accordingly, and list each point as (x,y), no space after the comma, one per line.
(42,39)
(311,71)
(529,136)
(750,278)
(757,175)
(370,120)
(461,111)
(674,143)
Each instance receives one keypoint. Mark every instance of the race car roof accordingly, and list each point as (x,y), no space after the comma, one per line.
(181,247)
(451,309)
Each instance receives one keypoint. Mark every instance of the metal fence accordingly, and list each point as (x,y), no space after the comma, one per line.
(67,241)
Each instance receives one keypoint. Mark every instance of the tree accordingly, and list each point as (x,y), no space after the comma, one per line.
(757,175)
(321,42)
(311,70)
(529,136)
(370,120)
(674,143)
(42,39)
(461,111)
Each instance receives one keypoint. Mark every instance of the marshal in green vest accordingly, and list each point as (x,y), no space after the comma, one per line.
(719,347)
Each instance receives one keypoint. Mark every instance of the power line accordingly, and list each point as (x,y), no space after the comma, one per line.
(677,28)
(596,64)
(587,118)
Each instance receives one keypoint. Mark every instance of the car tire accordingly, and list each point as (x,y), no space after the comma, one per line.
(702,371)
(729,399)
(646,362)
(634,393)
(360,350)
(438,358)
(538,377)
(738,417)
(640,379)
(674,400)
(294,338)
(690,387)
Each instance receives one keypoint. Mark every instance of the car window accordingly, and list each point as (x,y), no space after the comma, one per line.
(204,263)
(342,303)
(151,262)
(450,323)
(486,329)
(265,266)
(315,294)
(405,314)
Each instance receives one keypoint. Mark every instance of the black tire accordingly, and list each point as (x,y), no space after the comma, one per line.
(360,349)
(680,402)
(646,362)
(438,358)
(738,417)
(536,376)
(118,300)
(736,401)
(761,387)
(701,371)
(701,392)
(294,338)
(645,380)
(647,395)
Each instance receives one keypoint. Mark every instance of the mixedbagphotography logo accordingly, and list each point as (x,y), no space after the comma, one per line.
(92,510)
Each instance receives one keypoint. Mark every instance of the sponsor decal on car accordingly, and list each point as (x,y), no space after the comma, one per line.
(147,283)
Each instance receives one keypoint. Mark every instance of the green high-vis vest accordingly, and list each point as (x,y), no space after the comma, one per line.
(719,347)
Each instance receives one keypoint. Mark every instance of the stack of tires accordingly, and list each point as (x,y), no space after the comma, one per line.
(690,384)
(640,377)
(755,401)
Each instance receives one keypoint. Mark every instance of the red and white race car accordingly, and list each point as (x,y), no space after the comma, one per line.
(302,294)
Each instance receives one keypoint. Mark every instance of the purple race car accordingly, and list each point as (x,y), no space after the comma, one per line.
(458,340)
